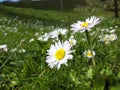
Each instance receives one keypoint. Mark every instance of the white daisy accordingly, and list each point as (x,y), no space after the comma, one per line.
(59,54)
(62,31)
(113,37)
(85,25)
(105,38)
(57,32)
(44,37)
(72,41)
(76,27)
(3,48)
(54,34)
(89,54)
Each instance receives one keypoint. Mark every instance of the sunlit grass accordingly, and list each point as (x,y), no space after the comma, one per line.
(24,67)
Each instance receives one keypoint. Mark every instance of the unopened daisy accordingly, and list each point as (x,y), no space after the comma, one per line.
(111,27)
(13,50)
(89,53)
(21,50)
(89,23)
(31,40)
(116,26)
(36,34)
(59,54)
(112,31)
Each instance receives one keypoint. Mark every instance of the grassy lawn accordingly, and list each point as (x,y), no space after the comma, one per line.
(23,62)
(54,16)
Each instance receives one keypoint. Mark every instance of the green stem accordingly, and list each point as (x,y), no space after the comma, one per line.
(90,47)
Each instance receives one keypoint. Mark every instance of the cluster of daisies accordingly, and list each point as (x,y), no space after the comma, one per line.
(11,26)
(60,52)
(53,34)
(4,48)
(18,50)
(108,38)
(108,35)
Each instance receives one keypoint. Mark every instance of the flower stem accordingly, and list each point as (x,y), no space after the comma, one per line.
(90,47)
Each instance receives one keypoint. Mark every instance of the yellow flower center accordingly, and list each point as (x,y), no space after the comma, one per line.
(85,24)
(89,54)
(106,39)
(112,37)
(60,53)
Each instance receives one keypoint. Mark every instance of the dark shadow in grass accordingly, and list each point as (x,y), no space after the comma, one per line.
(66,5)
(26,17)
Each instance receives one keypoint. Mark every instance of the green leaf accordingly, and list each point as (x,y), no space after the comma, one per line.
(117,87)
(108,72)
(118,75)
(90,73)
(74,77)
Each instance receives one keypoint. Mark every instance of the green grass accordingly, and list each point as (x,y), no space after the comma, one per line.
(29,71)
(53,16)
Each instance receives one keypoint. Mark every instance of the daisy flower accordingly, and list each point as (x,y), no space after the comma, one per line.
(54,34)
(113,37)
(59,54)
(88,53)
(57,32)
(44,37)
(62,31)
(72,41)
(3,48)
(106,38)
(89,23)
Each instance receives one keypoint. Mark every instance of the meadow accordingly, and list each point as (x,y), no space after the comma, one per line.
(29,37)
